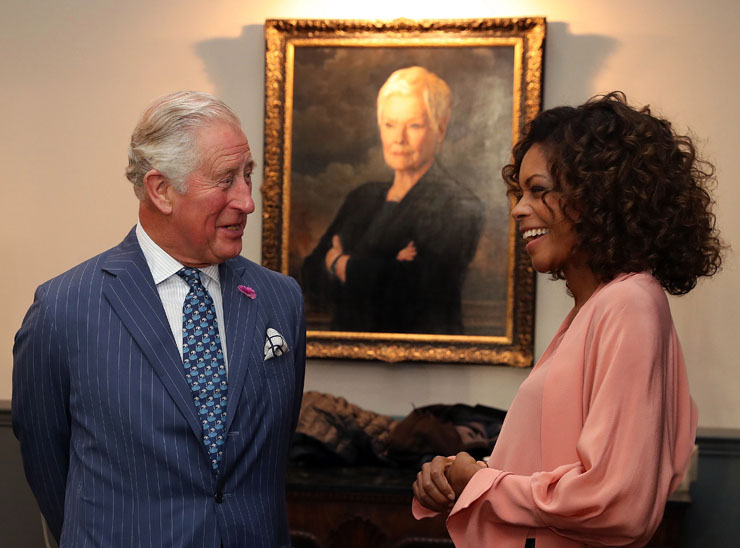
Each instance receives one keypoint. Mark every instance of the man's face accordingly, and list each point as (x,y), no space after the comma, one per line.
(207,222)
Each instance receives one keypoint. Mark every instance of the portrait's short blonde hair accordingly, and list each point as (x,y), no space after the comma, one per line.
(431,88)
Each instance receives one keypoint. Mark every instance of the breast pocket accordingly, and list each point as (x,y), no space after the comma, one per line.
(279,366)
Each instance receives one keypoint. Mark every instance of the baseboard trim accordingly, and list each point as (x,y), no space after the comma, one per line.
(718,442)
(5,419)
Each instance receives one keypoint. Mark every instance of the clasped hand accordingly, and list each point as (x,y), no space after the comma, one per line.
(336,259)
(441,481)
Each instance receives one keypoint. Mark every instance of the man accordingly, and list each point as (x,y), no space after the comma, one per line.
(156,387)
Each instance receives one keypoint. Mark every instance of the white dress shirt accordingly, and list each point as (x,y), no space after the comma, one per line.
(173,289)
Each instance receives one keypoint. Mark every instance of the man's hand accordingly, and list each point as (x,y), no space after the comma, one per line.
(462,469)
(431,487)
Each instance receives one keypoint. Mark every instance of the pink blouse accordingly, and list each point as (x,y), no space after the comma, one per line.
(597,437)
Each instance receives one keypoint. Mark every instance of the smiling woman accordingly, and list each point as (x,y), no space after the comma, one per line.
(548,231)
(612,200)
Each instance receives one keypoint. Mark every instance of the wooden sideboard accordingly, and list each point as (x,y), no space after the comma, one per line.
(368,507)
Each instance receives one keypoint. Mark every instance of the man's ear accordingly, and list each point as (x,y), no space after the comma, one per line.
(158,191)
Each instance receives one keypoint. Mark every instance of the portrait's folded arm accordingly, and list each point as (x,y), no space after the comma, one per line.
(40,406)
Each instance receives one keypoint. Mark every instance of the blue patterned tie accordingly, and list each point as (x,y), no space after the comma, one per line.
(203,360)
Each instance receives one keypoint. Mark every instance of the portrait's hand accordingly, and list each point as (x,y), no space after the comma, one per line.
(335,251)
(336,260)
(462,469)
(431,487)
(408,253)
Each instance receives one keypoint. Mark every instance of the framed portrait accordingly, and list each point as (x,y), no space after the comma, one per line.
(382,191)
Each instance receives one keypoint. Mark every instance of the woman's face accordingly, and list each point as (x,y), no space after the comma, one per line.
(406,131)
(549,234)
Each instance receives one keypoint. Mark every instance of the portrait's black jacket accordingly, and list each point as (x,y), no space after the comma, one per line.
(381,294)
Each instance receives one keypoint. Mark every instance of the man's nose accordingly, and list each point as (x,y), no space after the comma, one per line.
(242,196)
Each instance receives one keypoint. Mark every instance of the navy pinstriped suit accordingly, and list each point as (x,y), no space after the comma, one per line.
(108,431)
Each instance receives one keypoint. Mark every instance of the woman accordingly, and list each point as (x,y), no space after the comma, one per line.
(395,256)
(611,200)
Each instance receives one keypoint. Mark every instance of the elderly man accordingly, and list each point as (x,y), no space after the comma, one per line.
(156,387)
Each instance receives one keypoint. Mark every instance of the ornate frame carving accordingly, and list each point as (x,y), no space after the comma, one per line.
(284,40)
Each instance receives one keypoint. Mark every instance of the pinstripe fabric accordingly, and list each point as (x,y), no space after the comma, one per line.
(109,435)
(172,288)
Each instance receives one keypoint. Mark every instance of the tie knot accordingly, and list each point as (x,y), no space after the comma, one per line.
(191,276)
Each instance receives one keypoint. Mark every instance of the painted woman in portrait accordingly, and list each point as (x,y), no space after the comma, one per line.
(396,254)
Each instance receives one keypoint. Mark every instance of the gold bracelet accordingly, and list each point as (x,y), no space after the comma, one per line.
(333,267)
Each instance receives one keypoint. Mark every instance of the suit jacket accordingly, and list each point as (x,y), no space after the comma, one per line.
(109,434)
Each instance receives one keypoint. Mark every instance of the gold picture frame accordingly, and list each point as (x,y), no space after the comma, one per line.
(321,141)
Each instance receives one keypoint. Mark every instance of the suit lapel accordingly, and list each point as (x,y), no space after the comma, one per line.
(240,316)
(133,296)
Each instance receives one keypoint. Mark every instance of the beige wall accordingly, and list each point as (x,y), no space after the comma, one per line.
(76,76)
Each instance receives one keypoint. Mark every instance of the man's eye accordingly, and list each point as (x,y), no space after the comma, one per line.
(226,182)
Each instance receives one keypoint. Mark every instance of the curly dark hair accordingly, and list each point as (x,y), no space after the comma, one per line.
(640,190)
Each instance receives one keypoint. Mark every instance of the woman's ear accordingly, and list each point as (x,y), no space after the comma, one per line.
(442,130)
(158,191)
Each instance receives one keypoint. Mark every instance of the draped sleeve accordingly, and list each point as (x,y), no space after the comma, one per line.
(626,434)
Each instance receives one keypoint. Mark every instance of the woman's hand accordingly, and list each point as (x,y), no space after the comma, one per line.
(408,253)
(335,259)
(335,251)
(462,469)
(431,487)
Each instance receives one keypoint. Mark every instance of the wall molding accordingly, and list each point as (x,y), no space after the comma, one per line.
(5,413)
(718,442)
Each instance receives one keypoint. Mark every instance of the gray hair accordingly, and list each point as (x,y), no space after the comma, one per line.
(165,137)
(431,88)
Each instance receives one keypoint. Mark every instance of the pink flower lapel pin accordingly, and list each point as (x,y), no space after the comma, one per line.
(248,291)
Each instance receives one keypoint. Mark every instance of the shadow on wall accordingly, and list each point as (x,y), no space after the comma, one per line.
(236,66)
(572,62)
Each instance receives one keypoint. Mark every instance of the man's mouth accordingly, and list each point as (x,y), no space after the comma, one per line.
(533,233)
(234,228)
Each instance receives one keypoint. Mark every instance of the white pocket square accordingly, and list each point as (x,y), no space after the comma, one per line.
(275,345)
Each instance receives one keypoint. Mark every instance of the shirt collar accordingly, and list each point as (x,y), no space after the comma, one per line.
(162,264)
